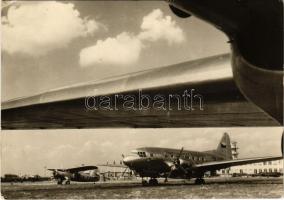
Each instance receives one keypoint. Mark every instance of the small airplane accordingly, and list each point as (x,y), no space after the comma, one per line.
(78,174)
(154,162)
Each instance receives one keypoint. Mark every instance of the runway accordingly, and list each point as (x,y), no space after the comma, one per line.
(214,188)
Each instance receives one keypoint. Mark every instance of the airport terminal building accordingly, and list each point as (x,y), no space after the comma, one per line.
(269,167)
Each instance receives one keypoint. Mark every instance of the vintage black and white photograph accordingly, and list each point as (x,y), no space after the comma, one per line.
(143,163)
(99,64)
(141,99)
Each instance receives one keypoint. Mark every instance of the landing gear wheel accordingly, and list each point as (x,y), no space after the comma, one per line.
(199,181)
(144,183)
(67,183)
(153,181)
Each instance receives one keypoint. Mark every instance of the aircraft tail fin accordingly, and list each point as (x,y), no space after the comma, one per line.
(224,147)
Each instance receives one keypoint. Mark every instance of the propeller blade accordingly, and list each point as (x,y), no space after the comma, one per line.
(180,153)
(177,161)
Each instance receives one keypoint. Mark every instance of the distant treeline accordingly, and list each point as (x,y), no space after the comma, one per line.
(16,178)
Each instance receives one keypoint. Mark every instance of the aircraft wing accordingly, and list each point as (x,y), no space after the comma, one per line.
(113,165)
(83,168)
(52,169)
(229,163)
(209,78)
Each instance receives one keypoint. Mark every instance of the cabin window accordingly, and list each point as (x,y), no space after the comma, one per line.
(275,170)
(270,170)
(151,155)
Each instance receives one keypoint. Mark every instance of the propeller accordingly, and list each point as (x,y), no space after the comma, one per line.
(54,173)
(177,161)
(176,165)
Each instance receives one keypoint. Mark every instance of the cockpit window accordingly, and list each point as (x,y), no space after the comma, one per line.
(141,154)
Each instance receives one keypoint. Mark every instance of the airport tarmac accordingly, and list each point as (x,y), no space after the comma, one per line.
(214,188)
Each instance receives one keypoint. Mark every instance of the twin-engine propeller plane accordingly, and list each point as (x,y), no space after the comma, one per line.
(167,163)
(78,174)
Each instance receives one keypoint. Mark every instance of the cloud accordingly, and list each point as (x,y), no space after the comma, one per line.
(126,48)
(122,50)
(38,28)
(156,26)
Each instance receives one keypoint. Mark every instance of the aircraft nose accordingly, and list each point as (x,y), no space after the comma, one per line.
(128,160)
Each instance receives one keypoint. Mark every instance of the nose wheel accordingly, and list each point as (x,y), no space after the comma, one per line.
(144,183)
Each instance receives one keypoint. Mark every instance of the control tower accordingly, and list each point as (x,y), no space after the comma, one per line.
(234,149)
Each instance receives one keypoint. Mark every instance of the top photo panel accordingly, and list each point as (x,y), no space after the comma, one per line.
(141,64)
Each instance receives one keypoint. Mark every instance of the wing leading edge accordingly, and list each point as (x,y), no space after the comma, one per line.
(211,77)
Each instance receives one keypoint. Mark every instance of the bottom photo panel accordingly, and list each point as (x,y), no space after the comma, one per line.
(176,163)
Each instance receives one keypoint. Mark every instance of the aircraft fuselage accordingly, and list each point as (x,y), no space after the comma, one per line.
(159,162)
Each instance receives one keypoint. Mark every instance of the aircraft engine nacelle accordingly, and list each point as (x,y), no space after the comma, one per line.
(179,12)
(255,30)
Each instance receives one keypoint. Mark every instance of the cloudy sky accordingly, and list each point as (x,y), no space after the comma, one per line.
(28,152)
(51,44)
